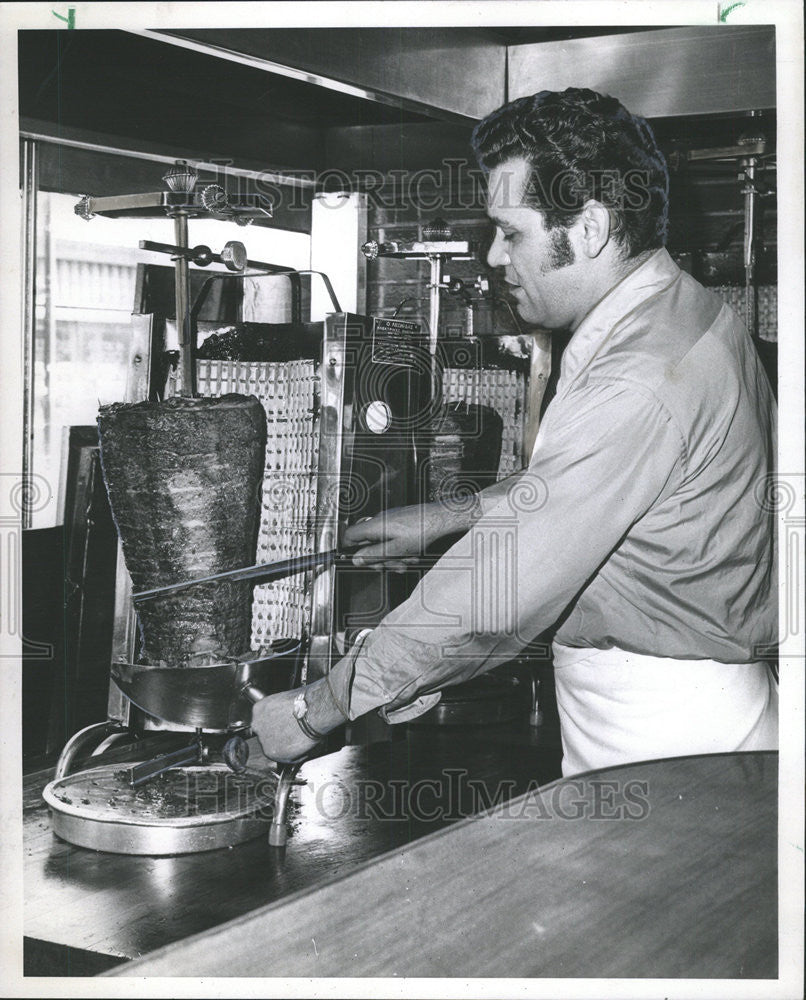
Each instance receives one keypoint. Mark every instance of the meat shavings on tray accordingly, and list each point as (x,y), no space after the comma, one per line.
(175,794)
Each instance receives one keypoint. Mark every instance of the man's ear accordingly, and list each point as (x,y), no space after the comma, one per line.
(596,228)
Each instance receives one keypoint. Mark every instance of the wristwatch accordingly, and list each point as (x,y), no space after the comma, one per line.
(300,712)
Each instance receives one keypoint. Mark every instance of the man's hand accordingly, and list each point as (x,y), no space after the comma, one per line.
(398,536)
(274,719)
(278,732)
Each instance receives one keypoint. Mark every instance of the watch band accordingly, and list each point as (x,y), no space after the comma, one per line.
(300,711)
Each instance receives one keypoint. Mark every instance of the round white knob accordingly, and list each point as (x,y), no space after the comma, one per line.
(378,416)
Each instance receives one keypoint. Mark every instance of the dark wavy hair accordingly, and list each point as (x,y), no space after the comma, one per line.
(583,145)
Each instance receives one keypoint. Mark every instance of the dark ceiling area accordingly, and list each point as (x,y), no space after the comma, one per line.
(113,82)
(532,34)
(116,77)
(121,84)
(148,94)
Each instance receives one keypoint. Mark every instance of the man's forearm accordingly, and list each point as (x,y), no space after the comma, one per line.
(451,518)
(492,495)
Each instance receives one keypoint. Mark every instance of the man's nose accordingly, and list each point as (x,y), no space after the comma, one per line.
(497,254)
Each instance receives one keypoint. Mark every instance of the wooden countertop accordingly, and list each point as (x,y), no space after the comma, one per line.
(662,869)
(359,803)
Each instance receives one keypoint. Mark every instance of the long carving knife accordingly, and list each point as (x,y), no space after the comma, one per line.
(264,572)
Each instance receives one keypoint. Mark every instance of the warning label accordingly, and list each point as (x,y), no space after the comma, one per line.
(398,342)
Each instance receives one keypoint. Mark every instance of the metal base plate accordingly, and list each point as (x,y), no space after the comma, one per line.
(182,811)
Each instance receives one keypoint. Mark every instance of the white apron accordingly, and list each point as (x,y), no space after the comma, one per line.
(617,707)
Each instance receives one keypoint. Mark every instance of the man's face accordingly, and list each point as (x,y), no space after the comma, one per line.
(539,264)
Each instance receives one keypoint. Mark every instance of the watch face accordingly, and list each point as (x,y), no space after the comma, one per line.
(300,706)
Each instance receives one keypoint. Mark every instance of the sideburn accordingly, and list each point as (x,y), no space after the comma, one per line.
(561,253)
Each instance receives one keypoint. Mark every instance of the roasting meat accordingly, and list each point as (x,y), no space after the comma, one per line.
(183,478)
(465,451)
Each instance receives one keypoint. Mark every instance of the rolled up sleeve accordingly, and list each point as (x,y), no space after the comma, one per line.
(608,452)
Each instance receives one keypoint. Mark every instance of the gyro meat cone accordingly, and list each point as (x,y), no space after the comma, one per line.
(183,477)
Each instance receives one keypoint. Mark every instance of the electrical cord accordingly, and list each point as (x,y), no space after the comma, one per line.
(494,298)
(409,298)
(515,320)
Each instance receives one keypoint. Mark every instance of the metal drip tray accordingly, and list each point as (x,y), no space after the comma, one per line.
(208,697)
(183,811)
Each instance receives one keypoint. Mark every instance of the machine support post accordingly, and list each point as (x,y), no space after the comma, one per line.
(183,327)
(749,191)
(278,835)
(433,304)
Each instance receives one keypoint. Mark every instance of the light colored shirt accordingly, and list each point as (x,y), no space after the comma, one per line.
(640,522)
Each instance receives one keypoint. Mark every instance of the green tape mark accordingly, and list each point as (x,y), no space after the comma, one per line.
(725,11)
(70,20)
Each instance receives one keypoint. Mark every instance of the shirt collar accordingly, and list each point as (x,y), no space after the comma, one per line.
(594,332)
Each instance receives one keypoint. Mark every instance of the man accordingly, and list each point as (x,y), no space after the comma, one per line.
(638,530)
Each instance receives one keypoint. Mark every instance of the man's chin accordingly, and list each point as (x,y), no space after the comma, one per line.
(524,312)
(534,319)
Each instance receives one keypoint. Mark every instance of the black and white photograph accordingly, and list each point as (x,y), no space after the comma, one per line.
(402,499)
